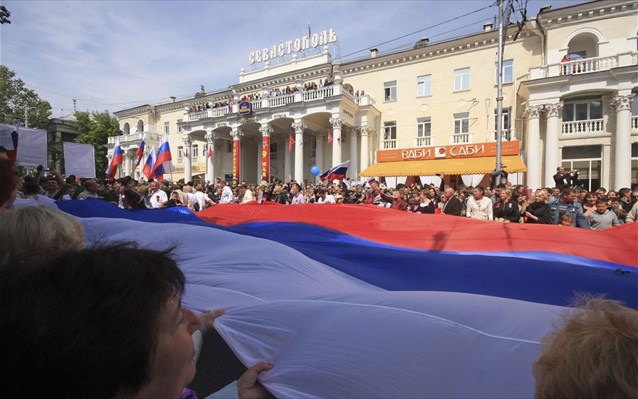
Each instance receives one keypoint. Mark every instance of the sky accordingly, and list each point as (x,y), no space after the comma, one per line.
(113,55)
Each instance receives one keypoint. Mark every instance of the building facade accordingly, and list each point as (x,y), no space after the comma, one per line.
(430,109)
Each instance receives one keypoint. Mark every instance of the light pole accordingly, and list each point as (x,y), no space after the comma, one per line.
(26,116)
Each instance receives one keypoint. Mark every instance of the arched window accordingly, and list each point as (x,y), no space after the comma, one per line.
(140,126)
(127,128)
(583,45)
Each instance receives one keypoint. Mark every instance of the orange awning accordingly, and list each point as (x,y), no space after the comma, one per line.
(457,166)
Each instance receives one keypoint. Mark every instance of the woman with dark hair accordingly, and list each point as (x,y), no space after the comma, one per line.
(99,323)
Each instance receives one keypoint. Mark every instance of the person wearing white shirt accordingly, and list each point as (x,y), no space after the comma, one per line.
(325,198)
(156,196)
(247,195)
(478,206)
(297,195)
(201,197)
(227,194)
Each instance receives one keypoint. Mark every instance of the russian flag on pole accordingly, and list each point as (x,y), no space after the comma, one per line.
(336,172)
(116,160)
(163,161)
(140,151)
(147,170)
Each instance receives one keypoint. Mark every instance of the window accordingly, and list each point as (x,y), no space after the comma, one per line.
(390,91)
(195,152)
(273,151)
(462,79)
(508,71)
(587,159)
(389,135)
(390,130)
(424,86)
(127,128)
(180,153)
(424,127)
(505,122)
(462,123)
(583,110)
(179,128)
(167,127)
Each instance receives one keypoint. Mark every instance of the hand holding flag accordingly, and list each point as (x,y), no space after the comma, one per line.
(337,172)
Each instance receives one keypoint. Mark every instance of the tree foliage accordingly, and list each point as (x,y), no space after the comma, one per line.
(4,15)
(95,128)
(15,99)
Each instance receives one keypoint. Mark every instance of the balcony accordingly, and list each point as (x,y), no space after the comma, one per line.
(390,144)
(426,141)
(461,138)
(583,127)
(283,100)
(584,66)
(134,139)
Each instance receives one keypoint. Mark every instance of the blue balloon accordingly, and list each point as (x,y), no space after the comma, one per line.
(315,170)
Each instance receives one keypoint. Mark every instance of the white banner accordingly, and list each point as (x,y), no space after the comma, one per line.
(79,160)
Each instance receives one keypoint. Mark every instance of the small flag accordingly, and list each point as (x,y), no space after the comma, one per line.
(291,142)
(163,160)
(140,151)
(117,159)
(336,172)
(210,151)
(329,136)
(147,169)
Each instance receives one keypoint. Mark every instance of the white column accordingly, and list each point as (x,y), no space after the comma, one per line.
(319,151)
(354,164)
(298,126)
(622,142)
(365,162)
(336,140)
(287,161)
(533,147)
(551,142)
(210,164)
(188,169)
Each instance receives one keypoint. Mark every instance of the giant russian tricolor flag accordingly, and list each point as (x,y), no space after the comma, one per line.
(377,303)
(116,160)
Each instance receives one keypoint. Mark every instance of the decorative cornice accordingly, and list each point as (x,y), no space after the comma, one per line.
(533,112)
(282,79)
(298,127)
(336,123)
(553,110)
(586,12)
(432,51)
(137,111)
(265,130)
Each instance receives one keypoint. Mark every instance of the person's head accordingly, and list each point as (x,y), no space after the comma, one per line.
(30,228)
(8,184)
(321,193)
(175,196)
(568,195)
(97,323)
(506,194)
(540,196)
(295,188)
(555,192)
(601,206)
(448,193)
(560,169)
(91,186)
(634,196)
(51,185)
(478,192)
(612,194)
(3,153)
(566,220)
(624,194)
(592,354)
(591,198)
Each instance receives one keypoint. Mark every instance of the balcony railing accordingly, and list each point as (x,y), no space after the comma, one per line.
(584,66)
(461,138)
(135,138)
(634,123)
(390,144)
(426,141)
(586,126)
(283,100)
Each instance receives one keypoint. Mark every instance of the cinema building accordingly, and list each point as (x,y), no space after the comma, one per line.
(570,75)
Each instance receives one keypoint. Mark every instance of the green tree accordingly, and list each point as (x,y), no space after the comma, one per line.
(95,128)
(15,100)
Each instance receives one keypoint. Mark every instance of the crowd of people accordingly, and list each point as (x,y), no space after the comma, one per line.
(564,204)
(108,322)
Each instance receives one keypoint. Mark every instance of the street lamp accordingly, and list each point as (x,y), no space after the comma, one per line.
(26,116)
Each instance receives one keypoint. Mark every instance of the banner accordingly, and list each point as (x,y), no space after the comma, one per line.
(32,144)
(79,160)
(236,149)
(265,159)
